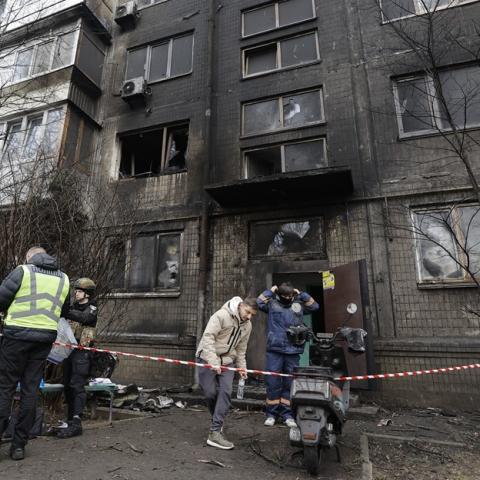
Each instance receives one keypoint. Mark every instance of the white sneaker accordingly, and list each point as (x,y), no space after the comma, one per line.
(290,423)
(269,422)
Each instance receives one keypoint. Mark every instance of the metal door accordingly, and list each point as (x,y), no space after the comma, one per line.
(348,285)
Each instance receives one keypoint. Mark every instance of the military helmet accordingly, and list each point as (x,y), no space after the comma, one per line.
(85,284)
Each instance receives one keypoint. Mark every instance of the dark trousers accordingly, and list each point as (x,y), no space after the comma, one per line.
(23,362)
(278,388)
(76,369)
(218,393)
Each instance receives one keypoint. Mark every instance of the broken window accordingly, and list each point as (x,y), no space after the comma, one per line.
(421,108)
(288,237)
(154,152)
(282,54)
(287,111)
(152,264)
(395,9)
(276,15)
(166,59)
(289,157)
(448,244)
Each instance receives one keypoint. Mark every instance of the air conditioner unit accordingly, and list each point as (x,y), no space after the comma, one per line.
(135,90)
(126,14)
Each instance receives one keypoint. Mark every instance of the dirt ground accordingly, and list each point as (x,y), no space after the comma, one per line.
(172,446)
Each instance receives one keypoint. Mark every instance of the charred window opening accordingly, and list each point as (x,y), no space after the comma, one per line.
(154,152)
(448,245)
(299,237)
(285,53)
(290,157)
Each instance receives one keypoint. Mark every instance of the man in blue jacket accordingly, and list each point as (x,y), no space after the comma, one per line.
(285,307)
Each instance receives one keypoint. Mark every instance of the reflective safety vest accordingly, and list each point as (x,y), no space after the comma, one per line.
(39,300)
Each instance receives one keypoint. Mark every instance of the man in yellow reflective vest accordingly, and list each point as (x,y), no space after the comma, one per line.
(33,296)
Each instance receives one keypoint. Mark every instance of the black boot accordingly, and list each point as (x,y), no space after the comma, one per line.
(74,428)
(17,453)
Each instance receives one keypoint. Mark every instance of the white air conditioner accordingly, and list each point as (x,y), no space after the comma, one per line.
(126,14)
(135,90)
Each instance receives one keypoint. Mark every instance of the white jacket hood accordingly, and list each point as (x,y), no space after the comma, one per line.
(232,306)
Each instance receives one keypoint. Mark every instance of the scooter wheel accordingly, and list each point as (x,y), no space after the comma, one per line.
(312,457)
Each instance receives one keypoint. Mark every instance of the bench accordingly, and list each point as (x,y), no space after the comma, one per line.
(110,388)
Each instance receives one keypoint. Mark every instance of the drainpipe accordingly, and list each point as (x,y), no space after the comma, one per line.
(204,217)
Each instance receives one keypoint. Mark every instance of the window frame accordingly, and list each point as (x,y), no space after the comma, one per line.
(165,149)
(25,121)
(420,10)
(282,154)
(126,290)
(54,40)
(434,105)
(280,100)
(277,18)
(289,255)
(148,58)
(460,258)
(278,43)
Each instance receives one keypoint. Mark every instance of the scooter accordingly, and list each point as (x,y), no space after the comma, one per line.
(319,401)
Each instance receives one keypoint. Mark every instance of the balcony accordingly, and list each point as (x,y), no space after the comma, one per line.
(312,186)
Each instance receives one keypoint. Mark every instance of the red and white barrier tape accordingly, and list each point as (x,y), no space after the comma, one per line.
(376,376)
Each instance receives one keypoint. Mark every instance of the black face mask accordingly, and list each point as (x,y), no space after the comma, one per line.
(285,301)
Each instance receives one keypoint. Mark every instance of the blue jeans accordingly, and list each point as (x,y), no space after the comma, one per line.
(278,388)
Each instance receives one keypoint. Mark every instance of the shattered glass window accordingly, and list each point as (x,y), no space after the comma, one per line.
(448,244)
(288,237)
(154,262)
(177,148)
(261,117)
(63,54)
(302,109)
(42,58)
(168,265)
(298,50)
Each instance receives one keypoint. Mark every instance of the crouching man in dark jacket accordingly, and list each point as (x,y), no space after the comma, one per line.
(34,297)
(285,307)
(76,368)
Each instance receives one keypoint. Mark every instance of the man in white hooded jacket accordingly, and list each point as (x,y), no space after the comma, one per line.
(224,343)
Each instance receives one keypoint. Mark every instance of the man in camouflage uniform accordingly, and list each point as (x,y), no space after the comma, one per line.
(82,316)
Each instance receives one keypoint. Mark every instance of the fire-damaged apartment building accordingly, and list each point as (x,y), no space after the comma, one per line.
(318,142)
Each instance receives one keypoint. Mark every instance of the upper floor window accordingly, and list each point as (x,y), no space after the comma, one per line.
(287,111)
(151,263)
(43,57)
(284,53)
(423,107)
(448,244)
(303,237)
(395,9)
(276,15)
(289,157)
(153,152)
(32,136)
(170,58)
